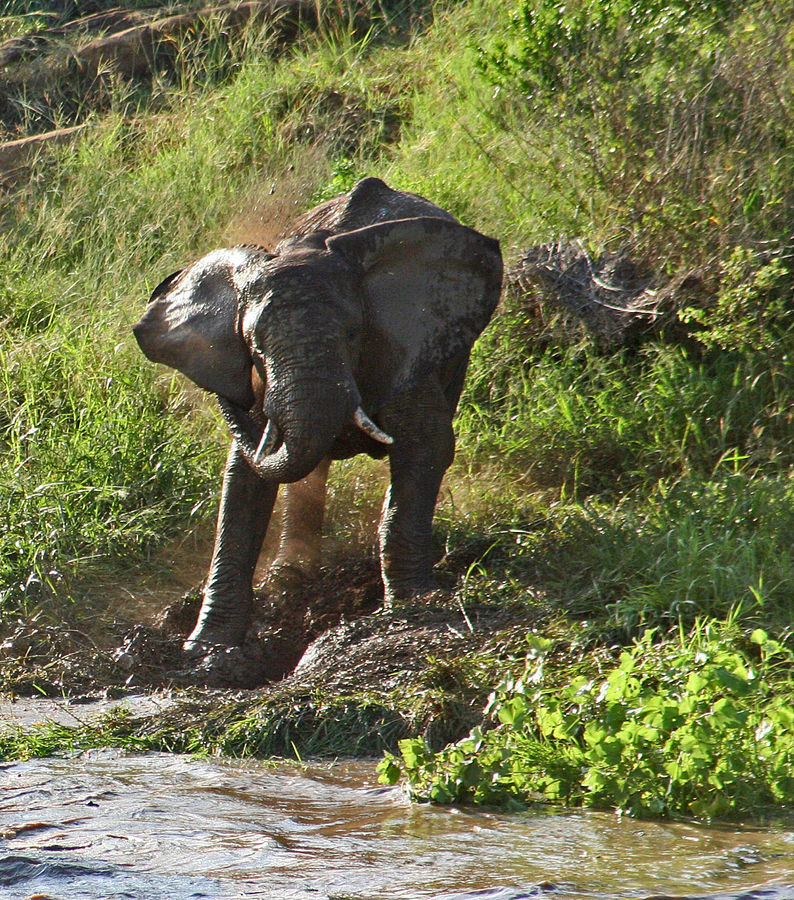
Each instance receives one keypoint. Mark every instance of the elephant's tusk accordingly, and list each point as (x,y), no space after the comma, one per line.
(369,427)
(268,442)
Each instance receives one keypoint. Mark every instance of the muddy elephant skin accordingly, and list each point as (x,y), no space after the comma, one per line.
(352,337)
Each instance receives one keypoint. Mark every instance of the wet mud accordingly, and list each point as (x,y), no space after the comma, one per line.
(327,632)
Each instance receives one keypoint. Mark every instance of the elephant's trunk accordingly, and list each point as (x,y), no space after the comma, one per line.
(245,427)
(273,457)
(303,421)
(296,447)
(264,446)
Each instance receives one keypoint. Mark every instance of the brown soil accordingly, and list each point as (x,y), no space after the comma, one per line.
(329,633)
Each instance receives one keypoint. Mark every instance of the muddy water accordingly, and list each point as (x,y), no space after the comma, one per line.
(108,825)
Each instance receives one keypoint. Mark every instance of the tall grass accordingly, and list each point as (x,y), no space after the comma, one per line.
(588,423)
(694,548)
(97,463)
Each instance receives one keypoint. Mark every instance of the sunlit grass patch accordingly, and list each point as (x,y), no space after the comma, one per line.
(690,549)
(693,549)
(93,467)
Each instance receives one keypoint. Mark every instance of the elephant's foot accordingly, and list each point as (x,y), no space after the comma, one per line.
(205,638)
(282,576)
(292,568)
(248,666)
(423,590)
(200,646)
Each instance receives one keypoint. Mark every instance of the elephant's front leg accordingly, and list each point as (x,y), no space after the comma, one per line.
(245,509)
(302,524)
(423,449)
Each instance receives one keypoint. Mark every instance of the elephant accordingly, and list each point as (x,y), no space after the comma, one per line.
(352,336)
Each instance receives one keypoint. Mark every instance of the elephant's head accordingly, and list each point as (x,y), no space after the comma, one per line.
(290,343)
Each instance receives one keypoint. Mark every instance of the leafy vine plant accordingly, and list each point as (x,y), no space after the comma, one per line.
(702,727)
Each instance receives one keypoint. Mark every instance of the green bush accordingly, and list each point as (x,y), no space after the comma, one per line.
(753,312)
(696,726)
(580,47)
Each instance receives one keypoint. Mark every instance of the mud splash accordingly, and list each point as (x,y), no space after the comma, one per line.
(328,631)
(111,826)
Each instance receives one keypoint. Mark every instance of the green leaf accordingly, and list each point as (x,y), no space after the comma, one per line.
(695,683)
(512,712)
(389,771)
(413,751)
(731,681)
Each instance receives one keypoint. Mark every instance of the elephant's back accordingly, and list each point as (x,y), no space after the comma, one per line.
(371,201)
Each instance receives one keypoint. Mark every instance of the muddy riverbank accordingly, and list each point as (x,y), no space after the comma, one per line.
(325,669)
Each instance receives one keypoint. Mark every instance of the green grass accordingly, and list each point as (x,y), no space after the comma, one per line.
(290,728)
(93,468)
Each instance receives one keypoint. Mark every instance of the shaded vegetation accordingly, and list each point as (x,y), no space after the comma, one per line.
(599,494)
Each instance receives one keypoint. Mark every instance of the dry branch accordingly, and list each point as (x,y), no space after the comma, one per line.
(132,52)
(18,155)
(17,48)
(618,300)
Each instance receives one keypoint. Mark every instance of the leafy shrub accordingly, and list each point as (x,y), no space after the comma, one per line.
(753,311)
(695,726)
(560,46)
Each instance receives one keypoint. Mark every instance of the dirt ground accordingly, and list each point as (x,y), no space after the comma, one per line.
(328,633)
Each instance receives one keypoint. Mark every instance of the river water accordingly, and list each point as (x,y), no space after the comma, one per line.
(155,827)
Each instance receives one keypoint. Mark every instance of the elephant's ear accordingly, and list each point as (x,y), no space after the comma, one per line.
(430,288)
(192,324)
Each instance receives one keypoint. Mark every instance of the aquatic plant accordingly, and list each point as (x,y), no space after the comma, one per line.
(702,726)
